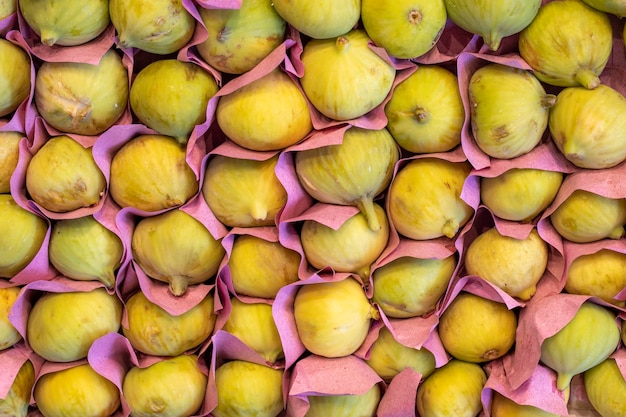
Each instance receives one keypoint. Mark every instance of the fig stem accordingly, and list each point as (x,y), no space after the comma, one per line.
(178,285)
(421,115)
(492,40)
(108,278)
(366,206)
(342,43)
(587,78)
(548,101)
(563,381)
(450,228)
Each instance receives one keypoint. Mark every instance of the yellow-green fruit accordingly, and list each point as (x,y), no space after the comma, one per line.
(17,400)
(82,98)
(171,97)
(78,391)
(424,198)
(353,405)
(253,324)
(160,177)
(407,28)
(333,318)
(270,113)
(238,39)
(509,110)
(63,176)
(425,113)
(62,326)
(7,8)
(352,173)
(585,217)
(588,339)
(156,26)
(14,77)
(154,331)
(320,19)
(8,333)
(172,387)
(601,274)
(343,78)
(411,287)
(243,192)
(588,126)
(502,406)
(520,194)
(353,247)
(176,248)
(567,44)
(492,21)
(388,357)
(476,329)
(66,23)
(624,332)
(260,268)
(511,264)
(452,390)
(605,387)
(23,233)
(616,7)
(248,389)
(9,155)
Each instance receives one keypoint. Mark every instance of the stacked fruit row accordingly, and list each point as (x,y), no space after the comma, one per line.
(267,208)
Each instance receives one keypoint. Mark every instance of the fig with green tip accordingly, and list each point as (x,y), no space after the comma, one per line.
(347,405)
(17,400)
(616,7)
(502,406)
(320,19)
(9,335)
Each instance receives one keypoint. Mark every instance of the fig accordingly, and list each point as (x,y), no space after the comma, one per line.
(425,112)
(154,331)
(568,43)
(424,198)
(406,29)
(605,387)
(9,155)
(239,39)
(333,318)
(502,406)
(160,177)
(91,394)
(352,173)
(600,274)
(509,110)
(63,176)
(585,341)
(82,98)
(320,19)
(176,248)
(17,400)
(349,405)
(343,78)
(7,8)
(616,7)
(62,326)
(9,335)
(15,70)
(269,114)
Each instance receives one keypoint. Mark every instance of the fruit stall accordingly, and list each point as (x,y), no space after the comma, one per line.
(408,208)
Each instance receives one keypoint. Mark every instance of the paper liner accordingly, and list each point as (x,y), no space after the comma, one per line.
(12,360)
(579,405)
(8,24)
(219,4)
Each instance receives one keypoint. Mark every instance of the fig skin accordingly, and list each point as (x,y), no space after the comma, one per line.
(9,155)
(320,19)
(14,78)
(7,8)
(9,335)
(502,406)
(601,274)
(17,400)
(605,387)
(350,405)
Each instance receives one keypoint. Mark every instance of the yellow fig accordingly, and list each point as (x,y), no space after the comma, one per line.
(82,98)
(16,402)
(248,389)
(9,335)
(588,126)
(424,198)
(343,78)
(568,43)
(14,76)
(62,326)
(253,324)
(585,217)
(509,110)
(605,387)
(23,233)
(176,248)
(333,318)
(270,113)
(406,29)
(353,247)
(238,39)
(78,391)
(320,19)
(452,390)
(502,406)
(352,173)
(616,7)
(520,194)
(7,8)
(160,177)
(624,332)
(9,155)
(388,357)
(425,113)
(170,387)
(260,268)
(476,329)
(587,340)
(601,274)
(157,26)
(243,192)
(411,287)
(511,264)
(352,405)
(154,331)
(63,176)
(66,23)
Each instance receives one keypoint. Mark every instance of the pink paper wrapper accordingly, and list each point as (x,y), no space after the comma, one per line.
(8,24)
(219,4)
(12,360)
(451,44)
